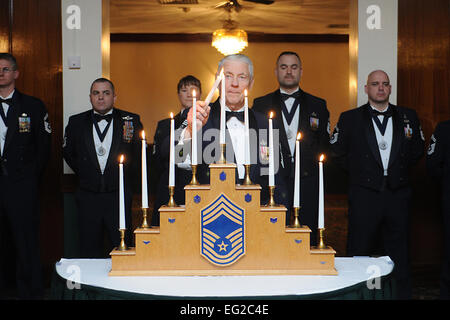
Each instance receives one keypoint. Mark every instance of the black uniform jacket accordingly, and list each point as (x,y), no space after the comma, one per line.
(313,125)
(438,155)
(80,154)
(354,146)
(27,144)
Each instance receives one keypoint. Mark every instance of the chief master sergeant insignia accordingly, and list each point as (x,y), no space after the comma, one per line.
(222,232)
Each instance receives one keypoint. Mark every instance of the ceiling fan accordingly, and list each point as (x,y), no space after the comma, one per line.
(230,5)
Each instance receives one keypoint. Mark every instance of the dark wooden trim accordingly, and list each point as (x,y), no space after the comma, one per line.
(206,37)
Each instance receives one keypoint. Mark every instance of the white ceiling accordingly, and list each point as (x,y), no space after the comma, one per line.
(280,17)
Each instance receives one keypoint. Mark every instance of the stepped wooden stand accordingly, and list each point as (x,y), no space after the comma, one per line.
(266,245)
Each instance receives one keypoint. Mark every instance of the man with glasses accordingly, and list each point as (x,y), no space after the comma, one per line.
(298,111)
(238,71)
(24,149)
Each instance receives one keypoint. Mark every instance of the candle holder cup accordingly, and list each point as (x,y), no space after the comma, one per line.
(194,180)
(296,223)
(171,202)
(145,225)
(247,180)
(122,245)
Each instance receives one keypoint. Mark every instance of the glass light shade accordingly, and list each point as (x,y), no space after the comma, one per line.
(229,41)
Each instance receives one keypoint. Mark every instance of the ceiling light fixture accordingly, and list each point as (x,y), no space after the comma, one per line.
(229,39)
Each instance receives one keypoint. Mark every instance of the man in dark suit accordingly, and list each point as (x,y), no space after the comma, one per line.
(298,111)
(93,143)
(377,149)
(159,171)
(25,145)
(438,165)
(238,71)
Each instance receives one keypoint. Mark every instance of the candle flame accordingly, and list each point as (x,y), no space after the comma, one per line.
(299,136)
(143,135)
(322,157)
(245,92)
(271,115)
(121,158)
(193,93)
(171,115)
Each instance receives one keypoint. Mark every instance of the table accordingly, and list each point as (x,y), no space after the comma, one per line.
(358,278)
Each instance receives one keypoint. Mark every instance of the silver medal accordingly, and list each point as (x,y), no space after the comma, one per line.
(101,151)
(289,134)
(382,145)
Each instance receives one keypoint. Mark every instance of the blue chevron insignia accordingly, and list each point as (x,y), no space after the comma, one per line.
(222,232)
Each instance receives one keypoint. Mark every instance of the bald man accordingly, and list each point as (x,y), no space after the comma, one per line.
(376,144)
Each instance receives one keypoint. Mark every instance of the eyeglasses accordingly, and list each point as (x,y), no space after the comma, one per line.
(6,70)
(239,77)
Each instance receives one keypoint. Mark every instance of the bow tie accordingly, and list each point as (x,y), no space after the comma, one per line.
(100,117)
(387,113)
(238,115)
(295,95)
(7,101)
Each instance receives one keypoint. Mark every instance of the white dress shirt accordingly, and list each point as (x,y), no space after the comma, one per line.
(106,144)
(236,129)
(3,127)
(293,127)
(386,138)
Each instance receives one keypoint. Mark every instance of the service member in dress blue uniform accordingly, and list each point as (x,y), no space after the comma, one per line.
(159,171)
(376,144)
(298,111)
(93,143)
(438,165)
(24,148)
(238,71)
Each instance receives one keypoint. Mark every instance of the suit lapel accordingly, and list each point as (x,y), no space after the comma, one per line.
(116,139)
(397,132)
(12,118)
(276,103)
(303,121)
(89,140)
(370,135)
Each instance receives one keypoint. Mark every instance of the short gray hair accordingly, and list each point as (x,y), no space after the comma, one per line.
(237,57)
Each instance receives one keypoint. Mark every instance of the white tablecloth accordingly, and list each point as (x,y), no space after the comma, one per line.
(94,272)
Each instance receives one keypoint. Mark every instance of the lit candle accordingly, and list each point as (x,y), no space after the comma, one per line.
(172,152)
(297,172)
(194,129)
(144,172)
(271,155)
(222,110)
(321,196)
(247,131)
(121,196)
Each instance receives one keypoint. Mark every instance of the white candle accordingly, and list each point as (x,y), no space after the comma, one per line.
(194,129)
(222,110)
(172,152)
(321,196)
(144,172)
(271,155)
(213,89)
(247,131)
(297,172)
(121,196)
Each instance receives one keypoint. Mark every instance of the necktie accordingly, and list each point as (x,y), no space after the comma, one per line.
(289,115)
(2,112)
(238,115)
(97,119)
(183,119)
(381,126)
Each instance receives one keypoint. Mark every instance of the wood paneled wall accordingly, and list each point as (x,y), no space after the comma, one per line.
(423,84)
(31,31)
